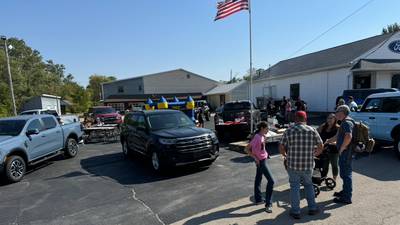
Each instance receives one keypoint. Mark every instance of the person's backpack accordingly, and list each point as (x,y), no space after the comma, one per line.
(361,141)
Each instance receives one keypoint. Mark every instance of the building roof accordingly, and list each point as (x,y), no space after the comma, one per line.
(161,73)
(331,57)
(144,97)
(224,88)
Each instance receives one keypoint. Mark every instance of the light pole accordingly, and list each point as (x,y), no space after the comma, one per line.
(4,38)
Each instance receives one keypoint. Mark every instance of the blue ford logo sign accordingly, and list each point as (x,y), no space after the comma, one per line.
(395,46)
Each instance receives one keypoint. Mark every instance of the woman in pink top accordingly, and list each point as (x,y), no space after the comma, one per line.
(260,155)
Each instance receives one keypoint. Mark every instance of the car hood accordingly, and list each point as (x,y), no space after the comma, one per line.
(108,115)
(181,132)
(4,139)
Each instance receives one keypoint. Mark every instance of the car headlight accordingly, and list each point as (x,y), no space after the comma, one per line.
(167,141)
(213,136)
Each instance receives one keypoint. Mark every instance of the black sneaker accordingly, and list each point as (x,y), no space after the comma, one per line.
(313,212)
(259,202)
(338,194)
(268,209)
(342,201)
(295,216)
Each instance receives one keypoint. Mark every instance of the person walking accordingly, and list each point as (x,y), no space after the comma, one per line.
(328,130)
(343,144)
(200,117)
(299,144)
(256,149)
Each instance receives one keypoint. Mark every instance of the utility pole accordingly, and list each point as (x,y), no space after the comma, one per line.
(231,76)
(4,38)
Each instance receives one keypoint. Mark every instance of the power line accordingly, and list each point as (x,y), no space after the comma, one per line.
(332,27)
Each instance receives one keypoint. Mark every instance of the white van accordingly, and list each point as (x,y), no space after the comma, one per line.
(381,112)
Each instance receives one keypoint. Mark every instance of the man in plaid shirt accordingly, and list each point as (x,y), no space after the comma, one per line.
(299,144)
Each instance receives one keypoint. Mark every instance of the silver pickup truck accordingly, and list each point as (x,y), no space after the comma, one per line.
(31,139)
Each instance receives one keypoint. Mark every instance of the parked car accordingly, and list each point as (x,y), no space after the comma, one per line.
(360,95)
(106,114)
(40,112)
(31,139)
(168,138)
(233,121)
(381,112)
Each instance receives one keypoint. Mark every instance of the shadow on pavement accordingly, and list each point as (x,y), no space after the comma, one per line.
(135,170)
(382,165)
(243,159)
(281,201)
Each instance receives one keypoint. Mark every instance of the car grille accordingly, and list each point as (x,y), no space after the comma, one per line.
(194,144)
(109,119)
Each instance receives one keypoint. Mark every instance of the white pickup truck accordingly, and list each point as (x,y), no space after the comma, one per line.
(381,112)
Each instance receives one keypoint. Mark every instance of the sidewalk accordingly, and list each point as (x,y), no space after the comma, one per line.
(376,201)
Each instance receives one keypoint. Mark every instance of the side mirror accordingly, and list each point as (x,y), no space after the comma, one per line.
(32,132)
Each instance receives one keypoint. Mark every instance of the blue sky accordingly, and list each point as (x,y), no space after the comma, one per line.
(136,37)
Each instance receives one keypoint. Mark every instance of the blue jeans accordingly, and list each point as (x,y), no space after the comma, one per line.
(345,165)
(296,178)
(263,169)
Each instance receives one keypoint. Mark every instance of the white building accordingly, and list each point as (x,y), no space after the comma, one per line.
(43,101)
(227,92)
(318,78)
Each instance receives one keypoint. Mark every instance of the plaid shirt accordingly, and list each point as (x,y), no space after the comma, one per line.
(300,141)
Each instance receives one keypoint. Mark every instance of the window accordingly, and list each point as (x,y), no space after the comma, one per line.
(140,121)
(120,89)
(49,123)
(362,81)
(391,105)
(372,105)
(295,91)
(188,76)
(140,87)
(396,81)
(35,124)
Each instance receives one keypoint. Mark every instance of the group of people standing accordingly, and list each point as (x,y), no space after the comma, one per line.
(299,145)
(287,109)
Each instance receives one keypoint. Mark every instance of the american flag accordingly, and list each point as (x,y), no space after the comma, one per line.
(229,7)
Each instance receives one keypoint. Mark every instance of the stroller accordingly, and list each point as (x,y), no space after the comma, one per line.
(317,177)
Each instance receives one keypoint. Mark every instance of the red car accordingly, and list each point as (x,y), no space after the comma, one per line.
(106,114)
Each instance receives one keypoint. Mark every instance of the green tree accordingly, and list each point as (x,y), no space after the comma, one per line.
(95,88)
(392,28)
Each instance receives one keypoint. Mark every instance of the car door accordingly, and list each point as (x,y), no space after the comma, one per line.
(36,142)
(53,135)
(141,134)
(131,132)
(388,118)
(368,114)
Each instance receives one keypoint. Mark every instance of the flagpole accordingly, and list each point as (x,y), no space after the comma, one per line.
(251,72)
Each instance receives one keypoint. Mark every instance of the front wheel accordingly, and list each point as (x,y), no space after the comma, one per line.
(397,148)
(72,148)
(15,168)
(316,190)
(156,162)
(330,183)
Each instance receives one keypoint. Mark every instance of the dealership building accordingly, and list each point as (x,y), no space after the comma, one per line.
(127,93)
(319,77)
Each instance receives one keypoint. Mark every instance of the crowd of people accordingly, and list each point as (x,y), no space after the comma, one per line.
(299,146)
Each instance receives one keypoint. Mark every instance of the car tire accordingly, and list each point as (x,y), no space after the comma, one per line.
(71,148)
(397,148)
(15,168)
(156,163)
(126,151)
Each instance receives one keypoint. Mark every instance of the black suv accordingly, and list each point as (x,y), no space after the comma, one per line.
(169,138)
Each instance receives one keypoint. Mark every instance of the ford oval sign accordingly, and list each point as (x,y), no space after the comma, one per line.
(395,46)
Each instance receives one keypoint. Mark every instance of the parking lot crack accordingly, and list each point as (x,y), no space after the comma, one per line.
(146,206)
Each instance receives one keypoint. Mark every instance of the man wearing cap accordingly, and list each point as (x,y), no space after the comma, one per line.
(299,144)
(343,141)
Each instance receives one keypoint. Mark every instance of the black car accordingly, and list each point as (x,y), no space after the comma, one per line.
(168,138)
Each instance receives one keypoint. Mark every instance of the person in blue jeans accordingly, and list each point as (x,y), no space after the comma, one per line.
(299,144)
(256,149)
(343,143)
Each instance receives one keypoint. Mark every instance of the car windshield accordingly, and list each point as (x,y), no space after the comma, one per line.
(103,110)
(169,120)
(237,106)
(29,113)
(11,127)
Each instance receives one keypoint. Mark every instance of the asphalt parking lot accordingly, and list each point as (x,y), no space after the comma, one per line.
(99,186)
